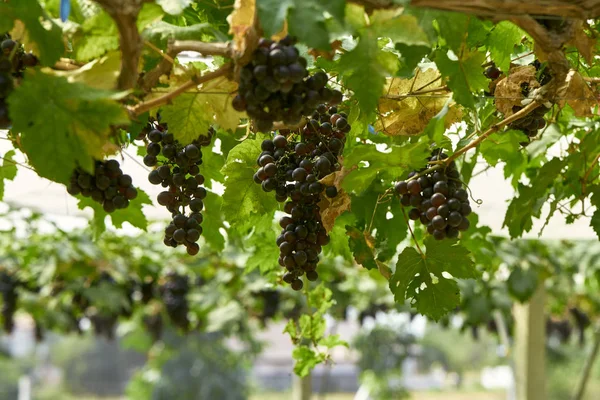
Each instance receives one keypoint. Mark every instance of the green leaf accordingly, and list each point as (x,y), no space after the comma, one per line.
(8,170)
(191,114)
(174,7)
(504,146)
(518,218)
(332,341)
(522,283)
(453,28)
(211,226)
(411,57)
(99,35)
(595,222)
(133,214)
(42,31)
(419,277)
(306,18)
(70,124)
(306,359)
(391,164)
(403,29)
(362,250)
(244,198)
(364,69)
(501,43)
(465,75)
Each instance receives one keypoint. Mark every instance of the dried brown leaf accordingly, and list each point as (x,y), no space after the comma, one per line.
(508,92)
(578,95)
(327,54)
(333,208)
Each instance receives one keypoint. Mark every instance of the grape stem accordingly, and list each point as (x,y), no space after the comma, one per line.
(495,128)
(166,98)
(425,172)
(412,234)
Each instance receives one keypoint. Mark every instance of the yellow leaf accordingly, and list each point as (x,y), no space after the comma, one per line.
(404,113)
(242,27)
(101,74)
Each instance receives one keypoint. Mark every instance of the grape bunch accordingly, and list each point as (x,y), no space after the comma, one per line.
(178,170)
(8,286)
(275,86)
(107,186)
(174,291)
(531,123)
(437,198)
(293,168)
(13,60)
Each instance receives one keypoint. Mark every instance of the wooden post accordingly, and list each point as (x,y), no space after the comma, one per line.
(530,347)
(301,387)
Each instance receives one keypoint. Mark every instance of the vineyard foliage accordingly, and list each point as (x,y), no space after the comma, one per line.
(83,81)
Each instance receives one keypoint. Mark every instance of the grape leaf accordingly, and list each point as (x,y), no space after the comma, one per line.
(243,197)
(174,7)
(465,75)
(364,70)
(390,164)
(211,226)
(595,221)
(518,218)
(132,214)
(70,124)
(306,19)
(504,146)
(419,277)
(191,114)
(411,57)
(361,245)
(306,359)
(403,29)
(98,35)
(8,170)
(502,41)
(47,43)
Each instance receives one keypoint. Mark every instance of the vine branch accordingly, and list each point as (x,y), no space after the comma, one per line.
(149,80)
(495,128)
(125,14)
(166,98)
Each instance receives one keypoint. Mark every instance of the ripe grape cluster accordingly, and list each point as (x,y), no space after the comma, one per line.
(13,60)
(437,198)
(174,291)
(275,86)
(178,169)
(107,186)
(8,286)
(293,168)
